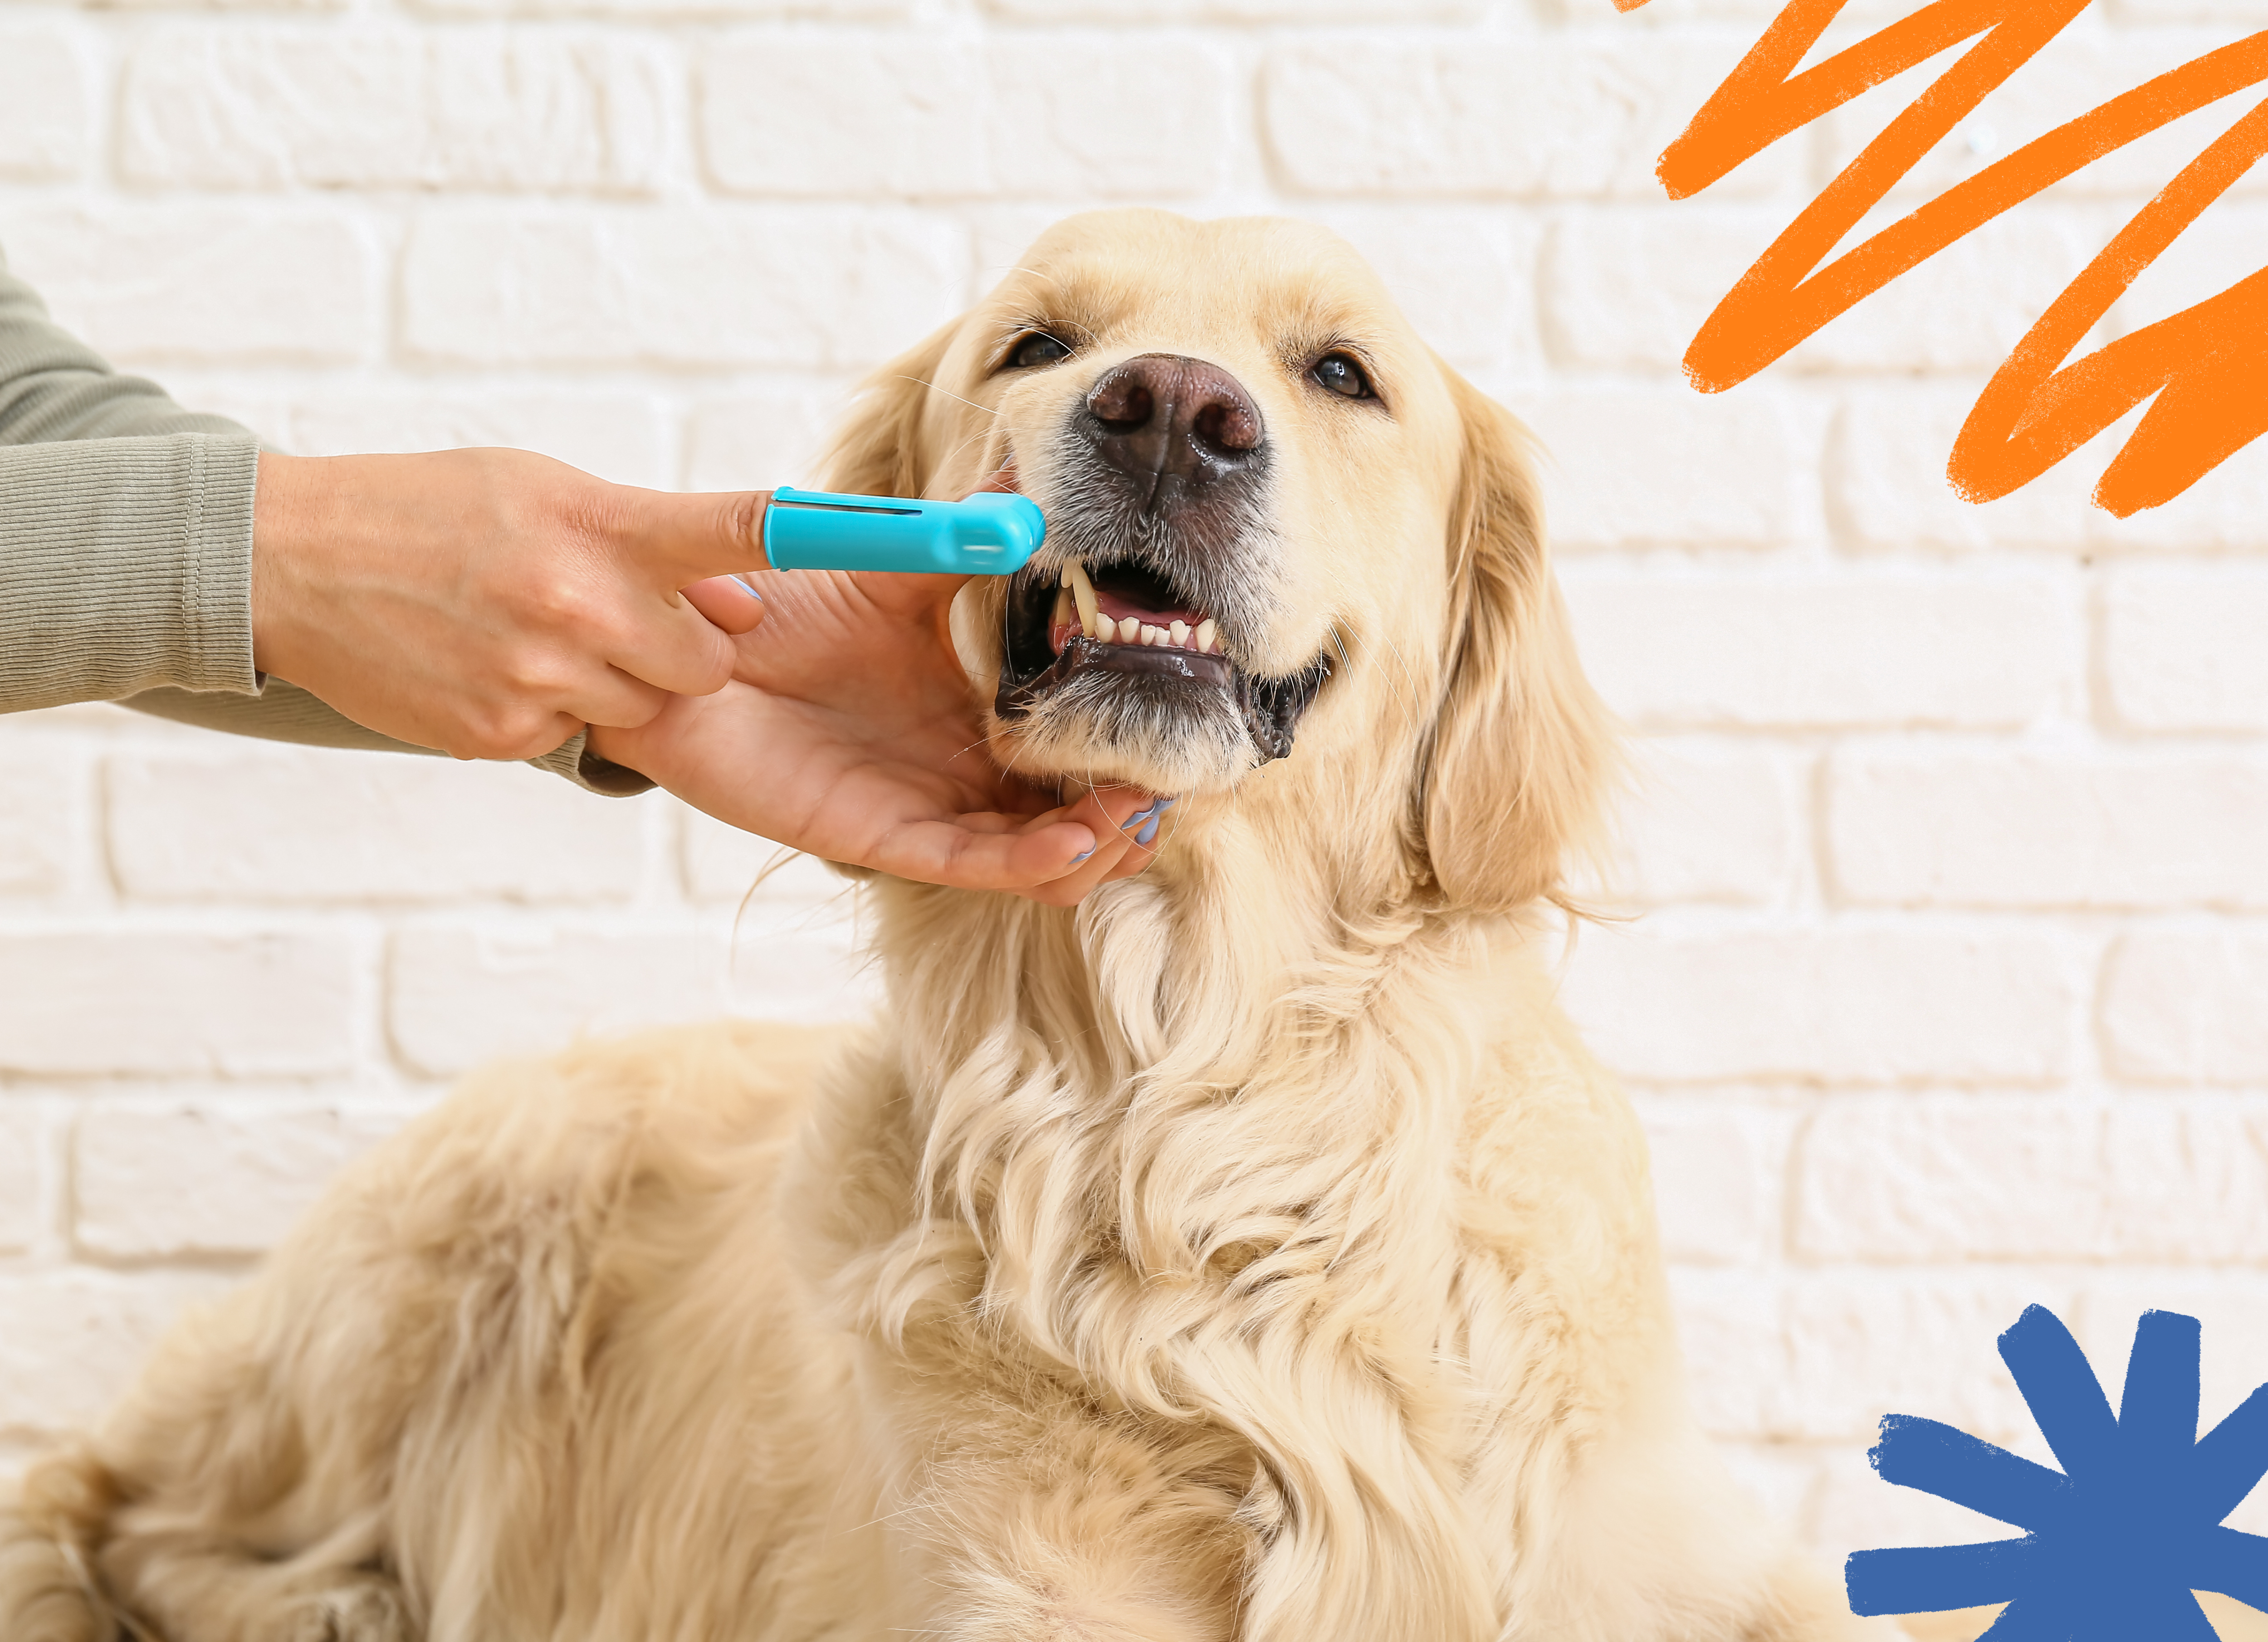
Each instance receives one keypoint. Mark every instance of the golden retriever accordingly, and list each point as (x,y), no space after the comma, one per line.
(1251,1251)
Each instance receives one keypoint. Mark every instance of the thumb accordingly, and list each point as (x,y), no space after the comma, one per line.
(681,537)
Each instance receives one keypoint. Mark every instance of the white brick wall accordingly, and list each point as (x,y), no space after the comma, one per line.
(1951,988)
(393,107)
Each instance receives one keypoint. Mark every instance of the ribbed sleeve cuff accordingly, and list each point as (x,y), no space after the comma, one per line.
(125,565)
(285,712)
(586,769)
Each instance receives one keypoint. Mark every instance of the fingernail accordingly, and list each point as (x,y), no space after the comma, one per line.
(1075,860)
(1167,803)
(1150,831)
(1137,818)
(751,592)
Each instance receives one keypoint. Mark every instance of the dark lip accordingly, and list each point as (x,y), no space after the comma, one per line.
(1271,709)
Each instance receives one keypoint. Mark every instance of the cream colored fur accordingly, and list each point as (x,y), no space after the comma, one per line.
(1253,1252)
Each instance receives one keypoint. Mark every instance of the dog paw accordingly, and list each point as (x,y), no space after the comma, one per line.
(367,1610)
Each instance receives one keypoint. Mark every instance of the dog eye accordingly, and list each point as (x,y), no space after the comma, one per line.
(1038,349)
(1343,376)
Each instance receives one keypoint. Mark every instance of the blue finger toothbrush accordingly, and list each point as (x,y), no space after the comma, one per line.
(992,533)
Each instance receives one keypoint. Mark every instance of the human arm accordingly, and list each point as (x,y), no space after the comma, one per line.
(125,527)
(127,530)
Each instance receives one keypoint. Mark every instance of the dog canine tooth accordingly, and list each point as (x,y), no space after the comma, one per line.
(1090,609)
(1208,634)
(1065,611)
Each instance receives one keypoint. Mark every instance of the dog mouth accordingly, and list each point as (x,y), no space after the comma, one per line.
(1126,627)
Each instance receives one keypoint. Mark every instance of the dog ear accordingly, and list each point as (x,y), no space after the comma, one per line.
(1522,749)
(877,450)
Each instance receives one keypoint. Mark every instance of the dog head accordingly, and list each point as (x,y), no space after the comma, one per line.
(1279,528)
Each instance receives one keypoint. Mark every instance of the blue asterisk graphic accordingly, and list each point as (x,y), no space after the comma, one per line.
(2120,1536)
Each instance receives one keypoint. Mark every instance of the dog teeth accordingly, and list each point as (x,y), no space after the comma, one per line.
(1082,591)
(1078,605)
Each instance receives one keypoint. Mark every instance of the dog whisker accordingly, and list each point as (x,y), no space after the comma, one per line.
(983,435)
(948,394)
(1408,707)
(1408,697)
(1408,672)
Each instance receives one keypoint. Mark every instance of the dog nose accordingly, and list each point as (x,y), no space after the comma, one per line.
(1175,423)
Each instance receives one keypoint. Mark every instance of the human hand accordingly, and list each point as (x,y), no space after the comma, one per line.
(492,602)
(849,732)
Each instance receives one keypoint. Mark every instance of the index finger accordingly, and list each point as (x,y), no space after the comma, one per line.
(690,536)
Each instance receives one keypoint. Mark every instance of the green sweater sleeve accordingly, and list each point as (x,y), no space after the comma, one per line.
(125,527)
(126,553)
(124,563)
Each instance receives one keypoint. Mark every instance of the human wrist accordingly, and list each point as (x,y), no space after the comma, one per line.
(281,507)
(579,762)
(612,744)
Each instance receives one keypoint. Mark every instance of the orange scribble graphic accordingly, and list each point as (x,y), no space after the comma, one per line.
(2207,365)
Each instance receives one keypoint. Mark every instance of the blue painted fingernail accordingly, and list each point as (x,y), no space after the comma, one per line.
(1148,832)
(1075,860)
(1137,818)
(751,592)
